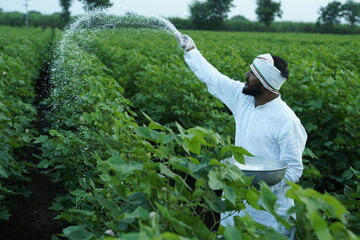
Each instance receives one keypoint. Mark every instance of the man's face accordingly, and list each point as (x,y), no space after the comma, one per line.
(253,86)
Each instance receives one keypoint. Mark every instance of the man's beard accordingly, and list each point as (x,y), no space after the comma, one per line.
(254,91)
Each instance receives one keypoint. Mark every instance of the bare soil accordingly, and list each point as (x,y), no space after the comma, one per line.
(31,218)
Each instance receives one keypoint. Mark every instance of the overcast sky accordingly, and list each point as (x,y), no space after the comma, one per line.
(293,10)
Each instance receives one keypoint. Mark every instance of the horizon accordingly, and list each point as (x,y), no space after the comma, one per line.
(305,11)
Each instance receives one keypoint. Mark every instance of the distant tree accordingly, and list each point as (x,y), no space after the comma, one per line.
(330,14)
(267,10)
(218,12)
(92,4)
(239,17)
(351,12)
(65,13)
(199,14)
(89,5)
(210,14)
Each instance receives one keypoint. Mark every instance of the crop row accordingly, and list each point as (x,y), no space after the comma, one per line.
(21,55)
(322,89)
(143,175)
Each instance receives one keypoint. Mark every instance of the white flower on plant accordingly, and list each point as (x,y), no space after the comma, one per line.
(4,73)
(152,215)
(110,232)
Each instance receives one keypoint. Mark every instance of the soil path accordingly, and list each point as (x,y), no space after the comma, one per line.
(31,218)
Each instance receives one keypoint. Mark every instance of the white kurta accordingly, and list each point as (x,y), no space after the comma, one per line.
(271,130)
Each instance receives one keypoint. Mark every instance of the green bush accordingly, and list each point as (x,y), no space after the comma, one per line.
(130,174)
(22,51)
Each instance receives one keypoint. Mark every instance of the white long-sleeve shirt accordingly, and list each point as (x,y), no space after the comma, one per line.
(271,130)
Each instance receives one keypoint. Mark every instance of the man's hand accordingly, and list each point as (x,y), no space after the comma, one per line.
(185,42)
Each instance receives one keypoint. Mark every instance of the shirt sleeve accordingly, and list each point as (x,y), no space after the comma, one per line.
(292,143)
(222,87)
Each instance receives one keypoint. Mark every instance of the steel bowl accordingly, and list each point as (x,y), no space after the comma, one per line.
(271,171)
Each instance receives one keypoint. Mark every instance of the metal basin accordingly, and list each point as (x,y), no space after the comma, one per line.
(271,171)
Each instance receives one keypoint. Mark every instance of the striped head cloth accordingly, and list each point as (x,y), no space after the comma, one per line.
(264,69)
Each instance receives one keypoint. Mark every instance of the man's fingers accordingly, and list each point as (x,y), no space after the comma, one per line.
(185,42)
(178,37)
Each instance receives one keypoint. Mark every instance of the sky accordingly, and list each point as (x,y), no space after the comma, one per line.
(293,10)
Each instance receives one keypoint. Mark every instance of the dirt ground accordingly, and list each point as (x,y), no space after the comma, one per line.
(31,218)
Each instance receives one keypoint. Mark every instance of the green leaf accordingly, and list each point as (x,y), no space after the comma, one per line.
(215,202)
(172,236)
(133,236)
(124,168)
(155,125)
(215,180)
(41,139)
(3,172)
(194,160)
(320,226)
(230,195)
(357,173)
(340,231)
(166,171)
(195,223)
(139,213)
(43,164)
(180,226)
(232,233)
(182,187)
(148,134)
(308,152)
(167,138)
(237,152)
(111,206)
(252,197)
(78,233)
(193,145)
(268,199)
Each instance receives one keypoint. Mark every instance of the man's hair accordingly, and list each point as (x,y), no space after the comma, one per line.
(281,64)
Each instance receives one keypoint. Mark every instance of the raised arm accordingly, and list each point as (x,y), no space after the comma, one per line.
(222,87)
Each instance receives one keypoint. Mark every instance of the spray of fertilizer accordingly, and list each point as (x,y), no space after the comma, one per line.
(74,54)
(80,35)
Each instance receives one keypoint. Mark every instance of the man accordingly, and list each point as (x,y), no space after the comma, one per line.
(265,125)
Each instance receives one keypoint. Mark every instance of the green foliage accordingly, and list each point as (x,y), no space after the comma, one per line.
(198,14)
(117,172)
(89,5)
(93,4)
(239,18)
(335,11)
(130,168)
(22,52)
(350,199)
(158,83)
(36,19)
(351,12)
(319,216)
(210,14)
(330,14)
(289,27)
(267,10)
(322,88)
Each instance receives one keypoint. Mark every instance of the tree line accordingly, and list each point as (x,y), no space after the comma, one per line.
(213,15)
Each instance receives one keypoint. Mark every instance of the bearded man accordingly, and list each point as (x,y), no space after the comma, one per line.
(265,125)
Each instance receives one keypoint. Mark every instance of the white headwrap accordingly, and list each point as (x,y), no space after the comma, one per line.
(264,69)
